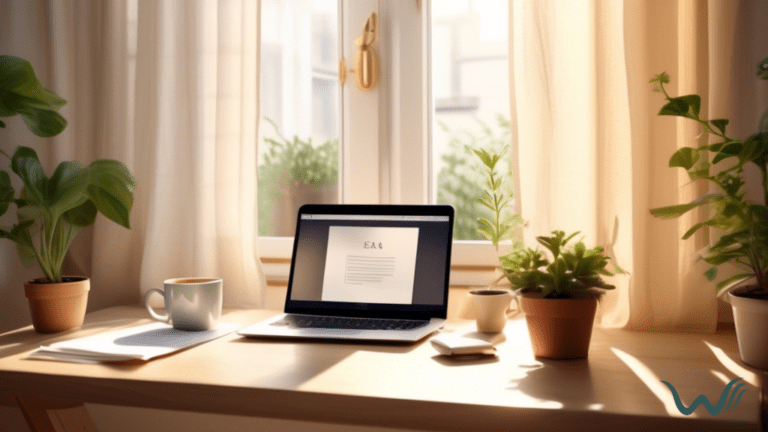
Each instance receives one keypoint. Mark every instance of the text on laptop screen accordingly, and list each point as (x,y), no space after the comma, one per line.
(383,259)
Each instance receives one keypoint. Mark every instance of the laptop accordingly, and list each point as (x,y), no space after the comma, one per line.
(366,272)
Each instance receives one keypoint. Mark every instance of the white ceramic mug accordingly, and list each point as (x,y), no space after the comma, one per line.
(190,303)
(491,308)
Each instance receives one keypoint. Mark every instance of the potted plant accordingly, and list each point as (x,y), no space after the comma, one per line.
(558,296)
(742,221)
(296,172)
(491,303)
(51,211)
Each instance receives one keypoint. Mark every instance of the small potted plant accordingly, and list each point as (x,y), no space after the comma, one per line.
(51,211)
(491,303)
(558,296)
(743,222)
(297,172)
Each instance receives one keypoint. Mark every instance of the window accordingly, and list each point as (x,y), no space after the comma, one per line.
(298,134)
(444,83)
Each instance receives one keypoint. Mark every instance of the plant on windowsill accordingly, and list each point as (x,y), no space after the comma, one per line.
(742,221)
(491,303)
(559,296)
(459,181)
(51,211)
(294,172)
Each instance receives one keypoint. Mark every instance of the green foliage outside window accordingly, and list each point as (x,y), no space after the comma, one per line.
(295,161)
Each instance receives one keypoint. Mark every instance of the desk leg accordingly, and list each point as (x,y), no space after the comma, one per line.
(47,415)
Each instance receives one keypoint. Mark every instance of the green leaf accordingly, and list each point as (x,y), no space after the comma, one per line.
(748,149)
(659,80)
(723,257)
(6,192)
(111,190)
(694,102)
(66,187)
(27,255)
(729,150)
(760,152)
(109,205)
(733,280)
(21,92)
(686,157)
(18,233)
(662,78)
(711,274)
(675,107)
(720,124)
(43,123)
(114,169)
(17,74)
(82,215)
(26,165)
(484,157)
(677,210)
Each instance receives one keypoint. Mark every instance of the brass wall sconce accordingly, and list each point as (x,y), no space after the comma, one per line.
(366,68)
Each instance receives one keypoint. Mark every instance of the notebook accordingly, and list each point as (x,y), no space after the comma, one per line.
(366,272)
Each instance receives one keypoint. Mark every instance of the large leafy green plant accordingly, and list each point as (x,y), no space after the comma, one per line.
(571,272)
(23,94)
(51,211)
(744,222)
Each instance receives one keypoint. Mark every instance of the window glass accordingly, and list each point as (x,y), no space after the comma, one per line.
(299,132)
(470,87)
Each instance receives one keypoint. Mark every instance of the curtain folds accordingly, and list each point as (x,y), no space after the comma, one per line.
(171,89)
(595,151)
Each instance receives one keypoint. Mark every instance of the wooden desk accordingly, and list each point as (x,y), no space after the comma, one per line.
(617,387)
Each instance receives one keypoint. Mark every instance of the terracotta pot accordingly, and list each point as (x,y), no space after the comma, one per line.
(57,307)
(750,316)
(559,328)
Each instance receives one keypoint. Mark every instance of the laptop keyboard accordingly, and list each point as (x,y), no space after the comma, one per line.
(307,321)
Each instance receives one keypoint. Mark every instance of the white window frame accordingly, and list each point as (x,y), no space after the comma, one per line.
(388,160)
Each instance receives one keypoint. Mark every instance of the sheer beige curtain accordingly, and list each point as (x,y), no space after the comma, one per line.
(171,89)
(593,153)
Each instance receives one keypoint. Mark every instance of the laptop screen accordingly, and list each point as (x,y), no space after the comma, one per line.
(391,261)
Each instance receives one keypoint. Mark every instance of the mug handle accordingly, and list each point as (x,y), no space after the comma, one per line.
(512,312)
(164,318)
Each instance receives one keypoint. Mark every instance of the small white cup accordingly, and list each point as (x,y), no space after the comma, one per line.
(491,308)
(190,303)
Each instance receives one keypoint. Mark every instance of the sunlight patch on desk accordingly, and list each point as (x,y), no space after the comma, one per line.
(651,380)
(721,376)
(735,368)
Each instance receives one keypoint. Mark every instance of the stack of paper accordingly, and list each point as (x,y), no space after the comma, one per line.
(135,343)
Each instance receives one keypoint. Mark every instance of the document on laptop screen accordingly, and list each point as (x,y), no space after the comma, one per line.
(370,264)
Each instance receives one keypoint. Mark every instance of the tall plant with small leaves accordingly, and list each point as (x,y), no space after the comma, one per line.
(744,222)
(496,197)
